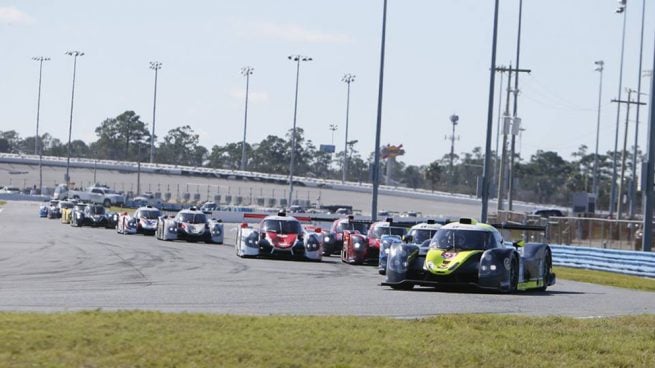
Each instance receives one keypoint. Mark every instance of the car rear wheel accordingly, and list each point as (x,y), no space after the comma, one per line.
(545,273)
(513,276)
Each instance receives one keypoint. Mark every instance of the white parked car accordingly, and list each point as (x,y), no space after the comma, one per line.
(9,190)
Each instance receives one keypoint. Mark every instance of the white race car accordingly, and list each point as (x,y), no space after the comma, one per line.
(143,220)
(190,225)
(281,236)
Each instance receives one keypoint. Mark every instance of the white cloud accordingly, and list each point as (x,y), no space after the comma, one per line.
(291,32)
(253,96)
(12,16)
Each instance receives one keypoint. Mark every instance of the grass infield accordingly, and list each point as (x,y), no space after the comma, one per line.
(605,278)
(151,339)
(2,203)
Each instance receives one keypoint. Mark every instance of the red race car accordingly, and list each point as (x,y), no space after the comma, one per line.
(359,248)
(333,240)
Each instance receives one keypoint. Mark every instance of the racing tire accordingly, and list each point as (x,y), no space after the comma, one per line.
(513,277)
(402,286)
(545,273)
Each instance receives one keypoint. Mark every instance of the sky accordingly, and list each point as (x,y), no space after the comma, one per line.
(437,64)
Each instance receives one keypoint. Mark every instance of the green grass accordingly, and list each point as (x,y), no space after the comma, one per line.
(151,339)
(605,278)
(2,203)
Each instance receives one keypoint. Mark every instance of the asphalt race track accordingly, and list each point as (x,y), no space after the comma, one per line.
(47,266)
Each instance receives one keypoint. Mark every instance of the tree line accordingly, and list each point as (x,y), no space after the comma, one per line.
(543,178)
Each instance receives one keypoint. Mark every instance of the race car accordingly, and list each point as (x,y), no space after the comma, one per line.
(470,253)
(89,215)
(278,236)
(191,225)
(359,248)
(67,212)
(125,224)
(59,211)
(143,221)
(333,240)
(418,234)
(43,209)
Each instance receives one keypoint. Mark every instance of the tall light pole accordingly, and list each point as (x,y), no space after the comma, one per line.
(486,169)
(333,128)
(74,54)
(453,119)
(347,78)
(600,66)
(247,72)
(621,9)
(154,65)
(378,125)
(37,139)
(633,184)
(516,122)
(297,59)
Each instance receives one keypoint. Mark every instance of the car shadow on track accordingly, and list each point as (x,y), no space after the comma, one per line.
(459,289)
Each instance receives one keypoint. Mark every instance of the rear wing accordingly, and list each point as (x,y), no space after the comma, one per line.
(529,233)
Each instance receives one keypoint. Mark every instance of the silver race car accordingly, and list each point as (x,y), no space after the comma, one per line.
(191,225)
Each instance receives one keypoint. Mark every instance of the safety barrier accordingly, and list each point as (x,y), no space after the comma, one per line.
(127,166)
(620,261)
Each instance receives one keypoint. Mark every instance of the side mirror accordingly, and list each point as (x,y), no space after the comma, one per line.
(408,238)
(518,243)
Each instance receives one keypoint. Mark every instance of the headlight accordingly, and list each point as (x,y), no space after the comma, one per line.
(397,261)
(326,239)
(357,245)
(396,250)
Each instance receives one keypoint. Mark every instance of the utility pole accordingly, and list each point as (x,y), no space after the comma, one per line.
(647,192)
(628,102)
(500,114)
(490,116)
(506,122)
(622,8)
(633,186)
(378,124)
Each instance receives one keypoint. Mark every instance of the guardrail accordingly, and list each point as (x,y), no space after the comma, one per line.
(611,260)
(251,175)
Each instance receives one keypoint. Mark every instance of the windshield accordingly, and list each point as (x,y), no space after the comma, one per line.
(388,230)
(192,218)
(464,239)
(97,210)
(150,214)
(421,235)
(362,227)
(282,227)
